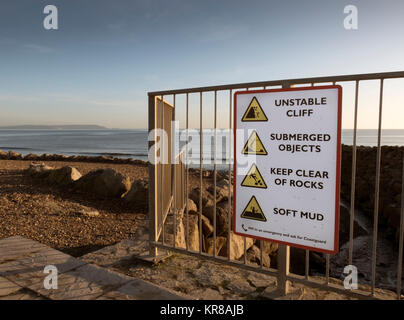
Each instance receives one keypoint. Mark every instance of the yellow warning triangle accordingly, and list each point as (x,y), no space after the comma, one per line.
(254,112)
(253,211)
(254,178)
(254,145)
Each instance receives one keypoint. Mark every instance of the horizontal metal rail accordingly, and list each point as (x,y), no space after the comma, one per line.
(353,77)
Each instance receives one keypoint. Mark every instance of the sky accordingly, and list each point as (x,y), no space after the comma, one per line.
(106,55)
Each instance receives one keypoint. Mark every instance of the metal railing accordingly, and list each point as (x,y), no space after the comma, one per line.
(282,271)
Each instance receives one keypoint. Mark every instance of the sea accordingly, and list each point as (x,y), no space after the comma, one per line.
(122,143)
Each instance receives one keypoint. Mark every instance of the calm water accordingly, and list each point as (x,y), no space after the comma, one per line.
(133,143)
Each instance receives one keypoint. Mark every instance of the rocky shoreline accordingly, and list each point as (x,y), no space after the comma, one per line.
(12,155)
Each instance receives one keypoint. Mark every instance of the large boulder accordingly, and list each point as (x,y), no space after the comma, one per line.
(344,226)
(63,176)
(106,183)
(254,256)
(220,242)
(222,218)
(180,231)
(268,247)
(12,155)
(3,154)
(31,156)
(236,246)
(207,198)
(138,195)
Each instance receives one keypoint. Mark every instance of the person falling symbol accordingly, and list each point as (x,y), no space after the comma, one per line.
(253,113)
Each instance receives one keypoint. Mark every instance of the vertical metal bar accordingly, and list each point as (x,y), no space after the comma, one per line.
(214,178)
(187,175)
(163,209)
(262,242)
(401,237)
(353,178)
(200,171)
(283,268)
(261,253)
(152,167)
(327,256)
(377,186)
(244,238)
(230,205)
(174,169)
(307,264)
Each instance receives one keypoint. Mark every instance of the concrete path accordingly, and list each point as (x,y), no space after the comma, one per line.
(22,263)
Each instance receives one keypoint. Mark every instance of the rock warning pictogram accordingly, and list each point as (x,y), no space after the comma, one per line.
(254,178)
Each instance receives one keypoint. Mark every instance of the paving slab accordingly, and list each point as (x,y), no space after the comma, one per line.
(16,247)
(144,290)
(84,283)
(126,249)
(22,275)
(7,287)
(23,295)
(29,270)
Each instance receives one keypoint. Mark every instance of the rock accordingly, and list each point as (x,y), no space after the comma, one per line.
(14,155)
(254,256)
(220,242)
(298,258)
(206,226)
(3,154)
(222,218)
(180,239)
(138,195)
(59,157)
(104,183)
(268,247)
(392,214)
(46,156)
(39,170)
(236,246)
(31,156)
(207,198)
(344,226)
(192,208)
(88,212)
(63,176)
(193,233)
(221,192)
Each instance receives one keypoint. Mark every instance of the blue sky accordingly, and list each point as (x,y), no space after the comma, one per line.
(105,57)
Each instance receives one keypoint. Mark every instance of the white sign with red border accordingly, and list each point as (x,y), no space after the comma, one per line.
(287,145)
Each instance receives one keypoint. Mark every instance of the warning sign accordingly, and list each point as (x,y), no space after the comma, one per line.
(254,112)
(253,211)
(254,145)
(287,145)
(254,178)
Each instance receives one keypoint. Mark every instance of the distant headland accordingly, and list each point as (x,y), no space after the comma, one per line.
(55,127)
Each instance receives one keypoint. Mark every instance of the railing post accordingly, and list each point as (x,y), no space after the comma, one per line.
(153,232)
(283,269)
